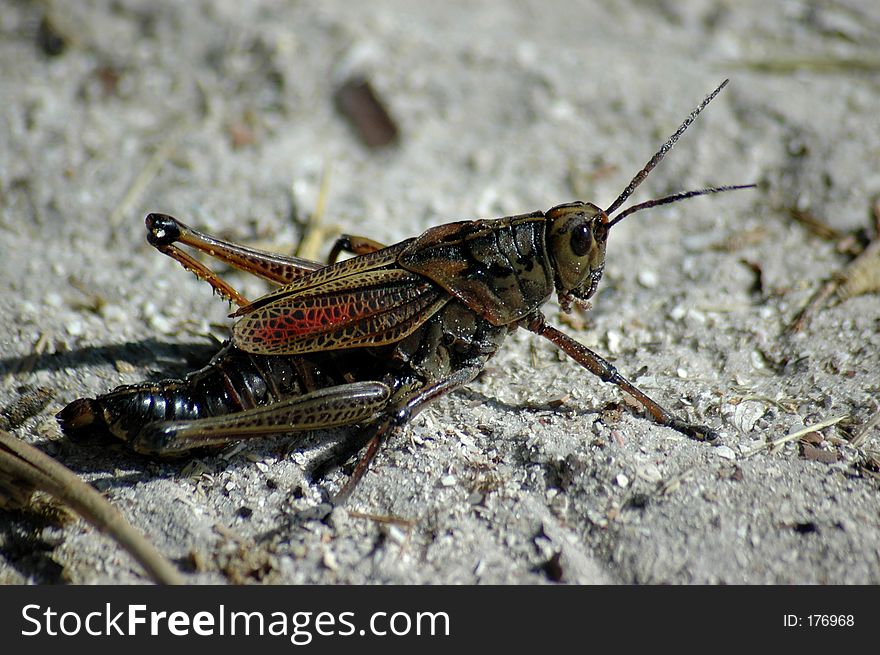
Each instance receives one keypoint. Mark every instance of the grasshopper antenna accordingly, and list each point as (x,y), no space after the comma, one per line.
(658,157)
(675,198)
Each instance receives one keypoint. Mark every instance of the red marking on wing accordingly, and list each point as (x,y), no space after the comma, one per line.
(395,304)
(309,319)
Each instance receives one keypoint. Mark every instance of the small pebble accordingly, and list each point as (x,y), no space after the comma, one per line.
(614,340)
(621,480)
(475,498)
(396,535)
(650,472)
(725,452)
(160,324)
(330,560)
(113,313)
(74,327)
(648,278)
(448,481)
(697,316)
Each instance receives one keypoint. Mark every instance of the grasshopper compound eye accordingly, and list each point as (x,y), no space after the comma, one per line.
(581,240)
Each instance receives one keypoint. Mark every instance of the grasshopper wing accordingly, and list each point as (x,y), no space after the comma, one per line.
(365,301)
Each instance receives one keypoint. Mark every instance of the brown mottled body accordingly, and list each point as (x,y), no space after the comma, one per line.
(371,340)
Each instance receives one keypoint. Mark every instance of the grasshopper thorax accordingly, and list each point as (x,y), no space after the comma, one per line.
(576,236)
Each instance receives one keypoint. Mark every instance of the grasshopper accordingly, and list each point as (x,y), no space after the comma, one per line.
(371,340)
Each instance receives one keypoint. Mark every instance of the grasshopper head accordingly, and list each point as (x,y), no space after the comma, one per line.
(576,236)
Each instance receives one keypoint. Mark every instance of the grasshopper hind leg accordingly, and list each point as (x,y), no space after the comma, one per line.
(166,234)
(341,405)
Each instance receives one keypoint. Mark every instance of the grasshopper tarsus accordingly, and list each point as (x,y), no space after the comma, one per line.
(353,245)
(694,431)
(370,341)
(395,419)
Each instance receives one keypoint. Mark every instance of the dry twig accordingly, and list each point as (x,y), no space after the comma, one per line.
(25,469)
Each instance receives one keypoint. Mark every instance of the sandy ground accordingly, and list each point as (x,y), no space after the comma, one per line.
(222,114)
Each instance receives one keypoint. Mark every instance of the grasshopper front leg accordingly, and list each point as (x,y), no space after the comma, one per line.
(606,372)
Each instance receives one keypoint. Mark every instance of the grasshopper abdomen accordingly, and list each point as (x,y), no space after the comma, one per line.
(232,381)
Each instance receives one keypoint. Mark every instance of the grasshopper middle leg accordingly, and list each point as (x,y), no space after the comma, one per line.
(354,245)
(397,417)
